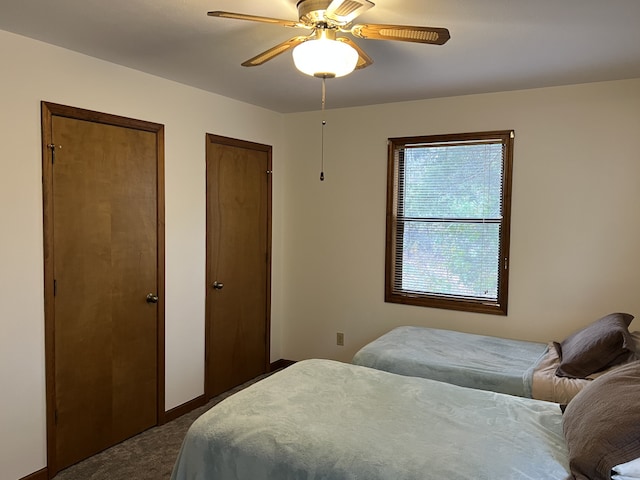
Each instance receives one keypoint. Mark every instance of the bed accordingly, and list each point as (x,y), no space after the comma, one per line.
(326,420)
(526,369)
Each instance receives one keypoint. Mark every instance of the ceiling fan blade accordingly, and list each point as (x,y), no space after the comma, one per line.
(344,11)
(364,60)
(255,18)
(274,51)
(403,33)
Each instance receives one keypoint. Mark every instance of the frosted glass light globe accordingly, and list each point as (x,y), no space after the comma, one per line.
(325,58)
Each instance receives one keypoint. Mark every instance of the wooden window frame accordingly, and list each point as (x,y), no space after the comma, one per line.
(393,250)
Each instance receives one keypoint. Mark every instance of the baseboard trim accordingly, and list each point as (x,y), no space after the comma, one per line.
(281,363)
(184,408)
(39,475)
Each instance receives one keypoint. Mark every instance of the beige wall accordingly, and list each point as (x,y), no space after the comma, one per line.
(575,249)
(31,72)
(574,225)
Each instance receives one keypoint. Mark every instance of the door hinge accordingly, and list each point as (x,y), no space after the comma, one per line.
(52,146)
(55,416)
(55,287)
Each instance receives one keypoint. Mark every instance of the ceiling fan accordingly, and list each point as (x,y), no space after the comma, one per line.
(327,18)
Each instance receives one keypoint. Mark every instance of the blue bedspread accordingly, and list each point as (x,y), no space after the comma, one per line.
(325,420)
(465,359)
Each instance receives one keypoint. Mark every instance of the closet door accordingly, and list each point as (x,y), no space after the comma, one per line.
(104,351)
(238,262)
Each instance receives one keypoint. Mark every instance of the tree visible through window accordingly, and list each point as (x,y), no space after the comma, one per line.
(448,208)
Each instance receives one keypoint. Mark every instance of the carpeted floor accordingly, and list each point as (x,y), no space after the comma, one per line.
(147,456)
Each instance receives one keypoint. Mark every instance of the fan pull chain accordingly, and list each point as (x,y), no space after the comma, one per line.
(324,122)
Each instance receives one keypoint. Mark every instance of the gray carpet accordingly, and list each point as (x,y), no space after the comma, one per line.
(147,456)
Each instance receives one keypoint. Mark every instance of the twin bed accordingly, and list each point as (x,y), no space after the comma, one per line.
(525,369)
(321,419)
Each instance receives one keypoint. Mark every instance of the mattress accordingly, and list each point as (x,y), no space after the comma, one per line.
(321,419)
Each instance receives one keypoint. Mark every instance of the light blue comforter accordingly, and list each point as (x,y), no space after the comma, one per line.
(465,359)
(325,420)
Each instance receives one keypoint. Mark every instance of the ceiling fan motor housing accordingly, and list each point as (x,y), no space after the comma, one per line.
(314,12)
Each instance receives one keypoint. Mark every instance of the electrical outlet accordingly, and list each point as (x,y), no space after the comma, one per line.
(340,339)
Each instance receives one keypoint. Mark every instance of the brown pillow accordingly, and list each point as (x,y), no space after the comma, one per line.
(602,423)
(604,343)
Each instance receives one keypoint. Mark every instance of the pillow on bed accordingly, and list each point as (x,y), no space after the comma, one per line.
(627,471)
(604,343)
(602,424)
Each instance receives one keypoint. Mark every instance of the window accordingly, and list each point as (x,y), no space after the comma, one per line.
(448,209)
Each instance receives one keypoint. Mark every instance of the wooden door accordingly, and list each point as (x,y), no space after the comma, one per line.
(102,249)
(238,262)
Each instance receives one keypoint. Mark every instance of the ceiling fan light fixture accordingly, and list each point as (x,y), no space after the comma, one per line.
(325,57)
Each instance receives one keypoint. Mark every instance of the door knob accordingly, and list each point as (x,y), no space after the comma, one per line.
(218,285)
(151,298)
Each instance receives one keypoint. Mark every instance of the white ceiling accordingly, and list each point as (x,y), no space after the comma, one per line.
(495,45)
